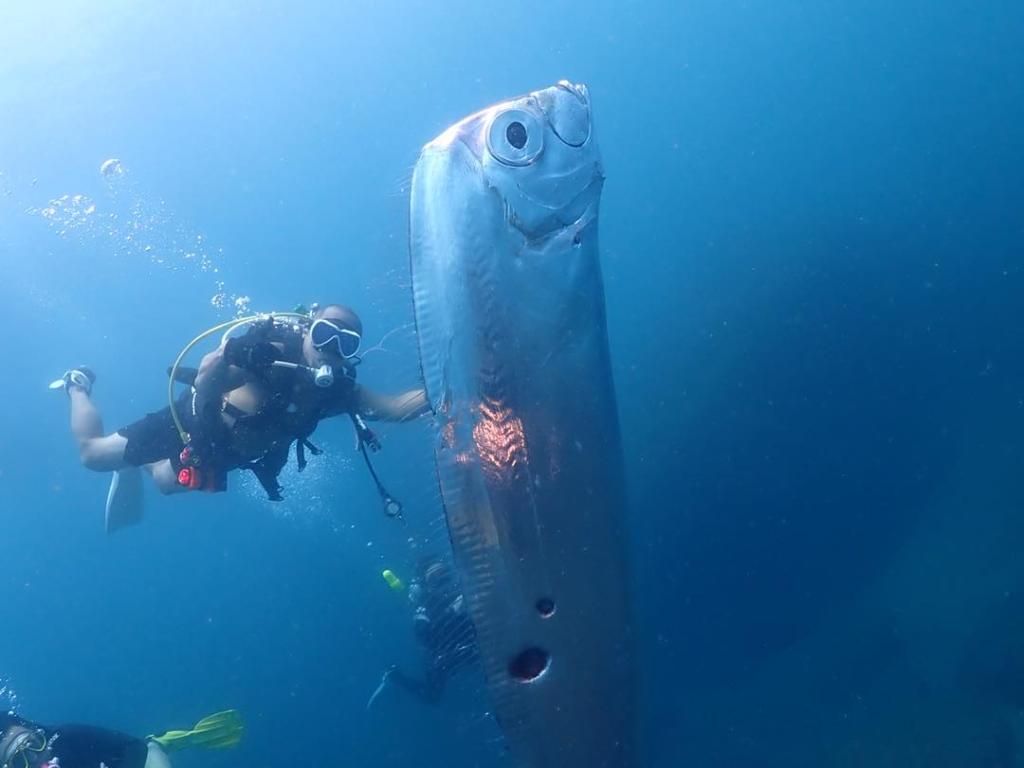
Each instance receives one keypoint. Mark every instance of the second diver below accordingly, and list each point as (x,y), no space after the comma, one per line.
(443,630)
(249,400)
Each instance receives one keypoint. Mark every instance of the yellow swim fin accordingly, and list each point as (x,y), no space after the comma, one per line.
(220,730)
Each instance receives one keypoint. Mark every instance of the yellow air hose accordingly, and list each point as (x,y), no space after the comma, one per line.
(227,327)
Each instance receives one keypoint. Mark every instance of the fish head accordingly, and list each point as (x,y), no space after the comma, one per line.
(538,154)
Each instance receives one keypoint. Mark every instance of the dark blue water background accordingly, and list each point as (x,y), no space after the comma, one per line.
(813,243)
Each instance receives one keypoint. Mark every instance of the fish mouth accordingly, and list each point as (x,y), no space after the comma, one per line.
(537,220)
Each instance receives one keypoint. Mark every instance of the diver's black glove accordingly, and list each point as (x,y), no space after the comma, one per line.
(250,354)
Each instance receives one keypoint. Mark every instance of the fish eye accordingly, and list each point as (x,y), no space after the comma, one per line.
(515,137)
(516,134)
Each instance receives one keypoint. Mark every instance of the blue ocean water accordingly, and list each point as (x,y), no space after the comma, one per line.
(813,250)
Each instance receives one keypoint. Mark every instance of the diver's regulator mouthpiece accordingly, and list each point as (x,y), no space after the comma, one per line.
(322,376)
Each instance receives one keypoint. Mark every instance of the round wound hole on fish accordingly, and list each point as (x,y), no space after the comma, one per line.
(546,607)
(529,665)
(516,134)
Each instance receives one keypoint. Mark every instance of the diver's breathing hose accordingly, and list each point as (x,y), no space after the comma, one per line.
(227,327)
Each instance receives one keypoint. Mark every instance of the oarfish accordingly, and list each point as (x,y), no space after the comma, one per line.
(510,318)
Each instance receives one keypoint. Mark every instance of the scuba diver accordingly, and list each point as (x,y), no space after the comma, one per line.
(24,744)
(442,627)
(248,401)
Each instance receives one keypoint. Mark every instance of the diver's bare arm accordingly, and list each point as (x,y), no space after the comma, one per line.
(216,377)
(403,407)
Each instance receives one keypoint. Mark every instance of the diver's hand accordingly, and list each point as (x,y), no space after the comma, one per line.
(249,354)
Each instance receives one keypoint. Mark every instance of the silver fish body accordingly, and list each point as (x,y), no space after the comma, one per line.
(510,316)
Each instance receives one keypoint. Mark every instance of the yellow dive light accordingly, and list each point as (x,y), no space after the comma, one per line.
(393,581)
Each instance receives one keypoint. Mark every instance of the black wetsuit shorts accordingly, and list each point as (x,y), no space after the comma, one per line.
(155,437)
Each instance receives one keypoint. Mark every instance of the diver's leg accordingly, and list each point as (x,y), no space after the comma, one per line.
(418,688)
(86,422)
(411,684)
(98,452)
(164,477)
(156,757)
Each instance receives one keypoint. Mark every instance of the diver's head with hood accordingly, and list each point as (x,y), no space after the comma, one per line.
(22,744)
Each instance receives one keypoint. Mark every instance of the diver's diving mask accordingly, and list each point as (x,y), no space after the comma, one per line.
(323,333)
